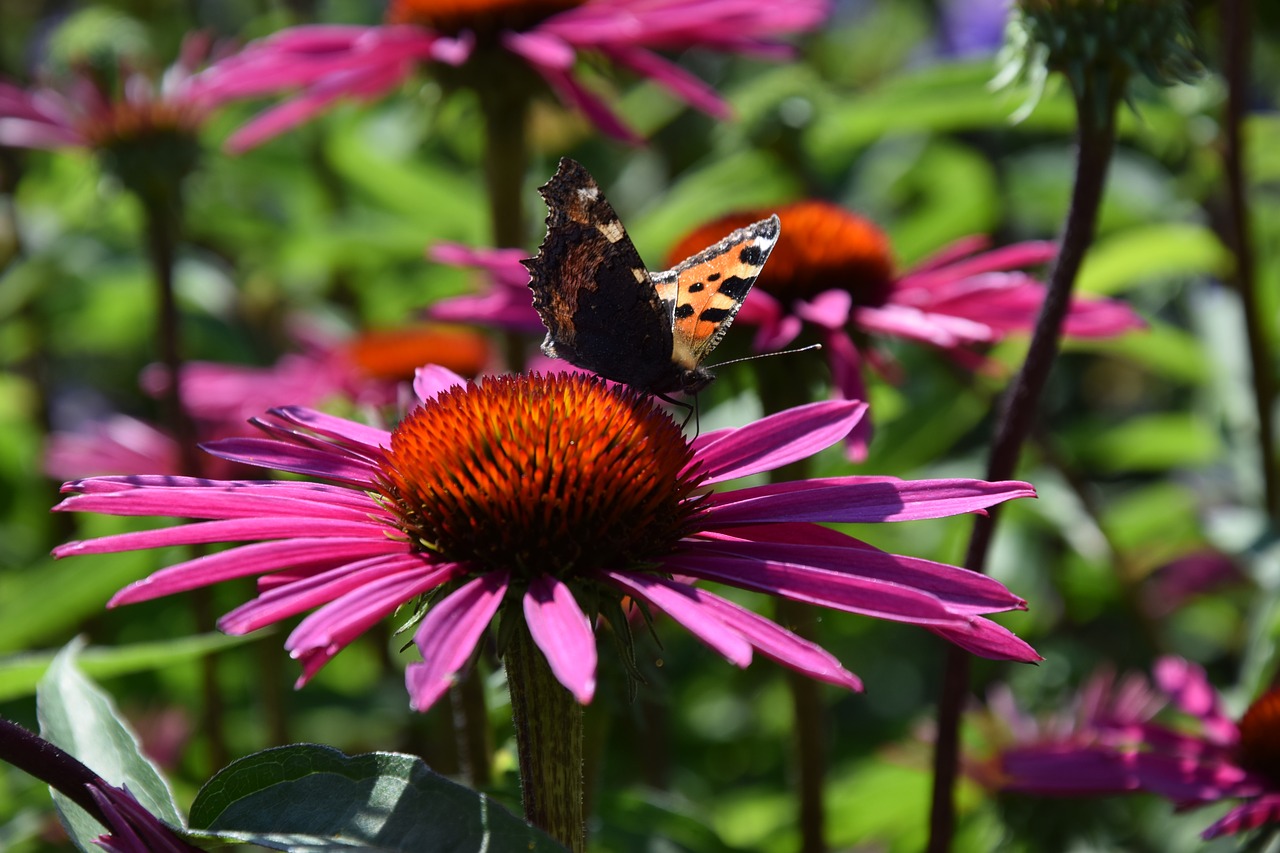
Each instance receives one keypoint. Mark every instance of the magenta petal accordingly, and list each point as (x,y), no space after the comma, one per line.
(572,93)
(671,77)
(858,500)
(430,381)
(1187,685)
(247,560)
(1061,771)
(837,590)
(231,530)
(340,430)
(777,440)
(985,638)
(779,644)
(449,633)
(563,632)
(326,464)
(304,593)
(541,49)
(331,628)
(1246,816)
(687,605)
(246,501)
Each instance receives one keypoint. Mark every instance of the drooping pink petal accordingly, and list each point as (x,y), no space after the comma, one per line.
(1187,685)
(449,633)
(574,94)
(1249,815)
(249,501)
(857,500)
(302,594)
(948,266)
(327,631)
(779,644)
(563,632)
(673,78)
(776,440)
(848,384)
(249,560)
(227,530)
(339,430)
(987,639)
(687,605)
(311,462)
(541,49)
(431,380)
(837,590)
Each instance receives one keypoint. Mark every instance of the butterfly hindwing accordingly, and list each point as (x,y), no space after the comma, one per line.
(706,290)
(591,289)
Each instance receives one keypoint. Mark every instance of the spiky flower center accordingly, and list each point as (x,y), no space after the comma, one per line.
(1260,735)
(556,474)
(821,247)
(483,17)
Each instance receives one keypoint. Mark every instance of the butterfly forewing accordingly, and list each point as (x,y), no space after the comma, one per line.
(706,290)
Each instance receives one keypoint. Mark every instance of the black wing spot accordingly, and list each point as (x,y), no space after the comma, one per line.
(713,315)
(750,255)
(685,311)
(736,288)
(697,287)
(715,276)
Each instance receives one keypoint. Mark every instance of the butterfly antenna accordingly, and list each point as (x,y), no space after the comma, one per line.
(767,355)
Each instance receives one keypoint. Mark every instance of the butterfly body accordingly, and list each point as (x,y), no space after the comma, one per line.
(605,312)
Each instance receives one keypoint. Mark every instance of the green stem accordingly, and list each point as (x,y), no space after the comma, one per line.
(1095,143)
(1235,29)
(163,213)
(548,724)
(506,112)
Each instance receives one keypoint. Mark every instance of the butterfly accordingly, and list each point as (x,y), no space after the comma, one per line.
(605,312)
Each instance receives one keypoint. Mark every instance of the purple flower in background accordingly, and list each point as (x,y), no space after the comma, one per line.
(506,304)
(81,112)
(1118,748)
(321,64)
(504,496)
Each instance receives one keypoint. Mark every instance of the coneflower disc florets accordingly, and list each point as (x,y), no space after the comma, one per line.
(558,474)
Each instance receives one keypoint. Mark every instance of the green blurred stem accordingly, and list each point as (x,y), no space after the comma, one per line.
(1095,143)
(471,726)
(548,724)
(1235,35)
(506,112)
(162,210)
(779,391)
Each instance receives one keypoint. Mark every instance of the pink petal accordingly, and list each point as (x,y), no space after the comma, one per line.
(688,606)
(211,502)
(430,381)
(327,464)
(569,91)
(673,78)
(449,633)
(542,50)
(857,500)
(22,133)
(247,560)
(229,530)
(779,644)
(563,632)
(1187,685)
(776,440)
(985,638)
(837,590)
(339,430)
(1264,811)
(829,309)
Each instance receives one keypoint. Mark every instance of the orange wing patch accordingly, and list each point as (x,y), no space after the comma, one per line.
(705,292)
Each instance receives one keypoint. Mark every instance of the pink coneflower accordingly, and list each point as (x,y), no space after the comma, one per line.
(84,113)
(833,271)
(504,496)
(505,303)
(480,42)
(1124,752)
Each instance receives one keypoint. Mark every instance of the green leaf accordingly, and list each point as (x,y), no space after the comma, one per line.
(306,797)
(20,674)
(1151,443)
(1167,250)
(76,715)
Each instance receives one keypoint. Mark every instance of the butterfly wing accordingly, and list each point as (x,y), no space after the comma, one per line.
(704,292)
(591,289)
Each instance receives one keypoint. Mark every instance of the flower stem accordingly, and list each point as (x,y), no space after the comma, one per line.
(1095,142)
(162,211)
(548,724)
(506,111)
(1235,28)
(36,756)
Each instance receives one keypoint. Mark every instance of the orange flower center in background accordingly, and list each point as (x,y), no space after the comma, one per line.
(821,247)
(1260,735)
(395,353)
(554,474)
(479,16)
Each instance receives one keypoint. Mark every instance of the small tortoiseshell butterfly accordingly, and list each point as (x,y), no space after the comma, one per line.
(605,312)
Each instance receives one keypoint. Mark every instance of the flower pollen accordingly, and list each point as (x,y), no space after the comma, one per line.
(557,474)
(821,247)
(485,17)
(1260,735)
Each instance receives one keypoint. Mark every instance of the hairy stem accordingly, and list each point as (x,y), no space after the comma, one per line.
(1095,142)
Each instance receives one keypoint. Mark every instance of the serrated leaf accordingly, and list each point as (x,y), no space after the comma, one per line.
(76,715)
(307,797)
